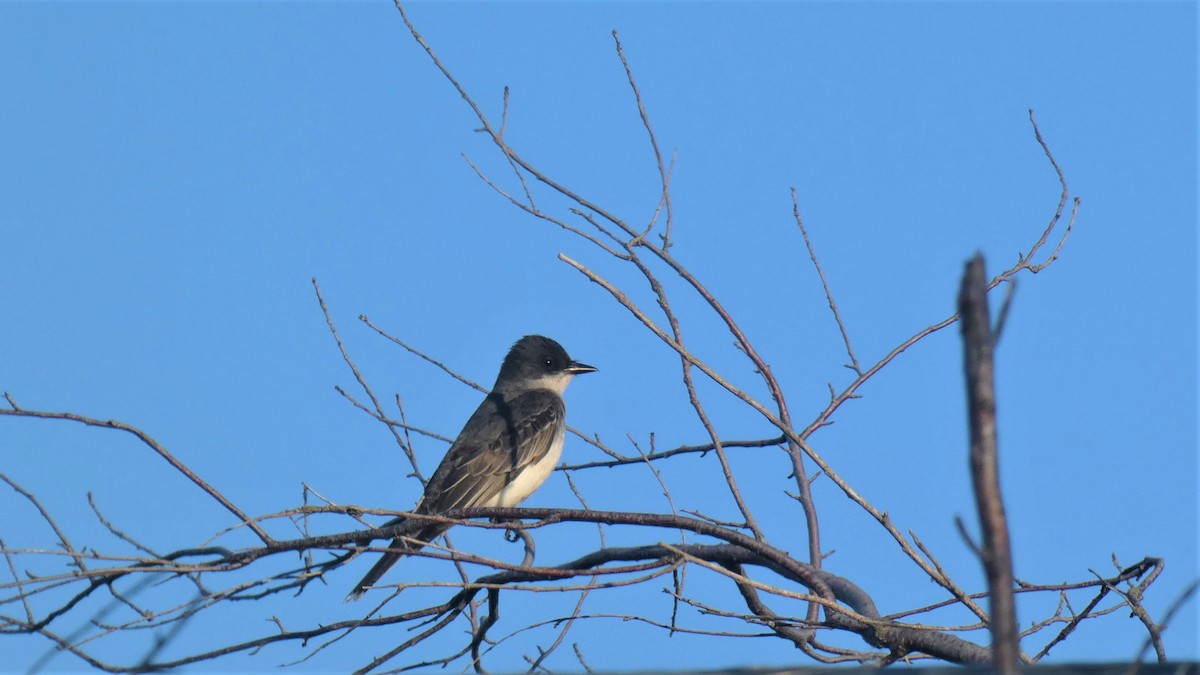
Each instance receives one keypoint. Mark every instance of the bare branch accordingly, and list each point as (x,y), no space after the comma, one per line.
(665,200)
(985,475)
(681,450)
(154,445)
(1062,202)
(812,255)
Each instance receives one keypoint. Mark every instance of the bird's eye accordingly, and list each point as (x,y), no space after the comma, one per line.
(549,363)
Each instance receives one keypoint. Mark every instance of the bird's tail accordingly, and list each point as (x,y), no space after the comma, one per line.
(396,550)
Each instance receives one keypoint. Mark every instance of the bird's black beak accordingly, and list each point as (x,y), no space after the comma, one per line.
(577,368)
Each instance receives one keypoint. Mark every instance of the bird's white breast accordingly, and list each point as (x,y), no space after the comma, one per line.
(530,478)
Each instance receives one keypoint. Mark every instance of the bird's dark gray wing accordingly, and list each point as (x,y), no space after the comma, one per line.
(502,438)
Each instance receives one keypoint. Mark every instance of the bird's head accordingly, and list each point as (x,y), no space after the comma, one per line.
(537,362)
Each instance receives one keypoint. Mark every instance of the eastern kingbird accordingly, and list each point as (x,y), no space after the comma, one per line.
(505,451)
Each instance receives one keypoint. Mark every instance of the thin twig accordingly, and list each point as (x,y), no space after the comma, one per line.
(422,355)
(812,255)
(663,173)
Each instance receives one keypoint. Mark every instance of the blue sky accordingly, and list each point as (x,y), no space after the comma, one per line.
(173,175)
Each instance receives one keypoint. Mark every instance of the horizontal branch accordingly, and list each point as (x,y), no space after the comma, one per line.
(681,450)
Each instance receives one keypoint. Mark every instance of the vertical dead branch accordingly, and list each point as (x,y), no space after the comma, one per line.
(978,341)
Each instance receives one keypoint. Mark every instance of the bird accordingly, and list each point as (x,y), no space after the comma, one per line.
(504,452)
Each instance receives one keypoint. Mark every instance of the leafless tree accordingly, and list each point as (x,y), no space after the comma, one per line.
(790,597)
